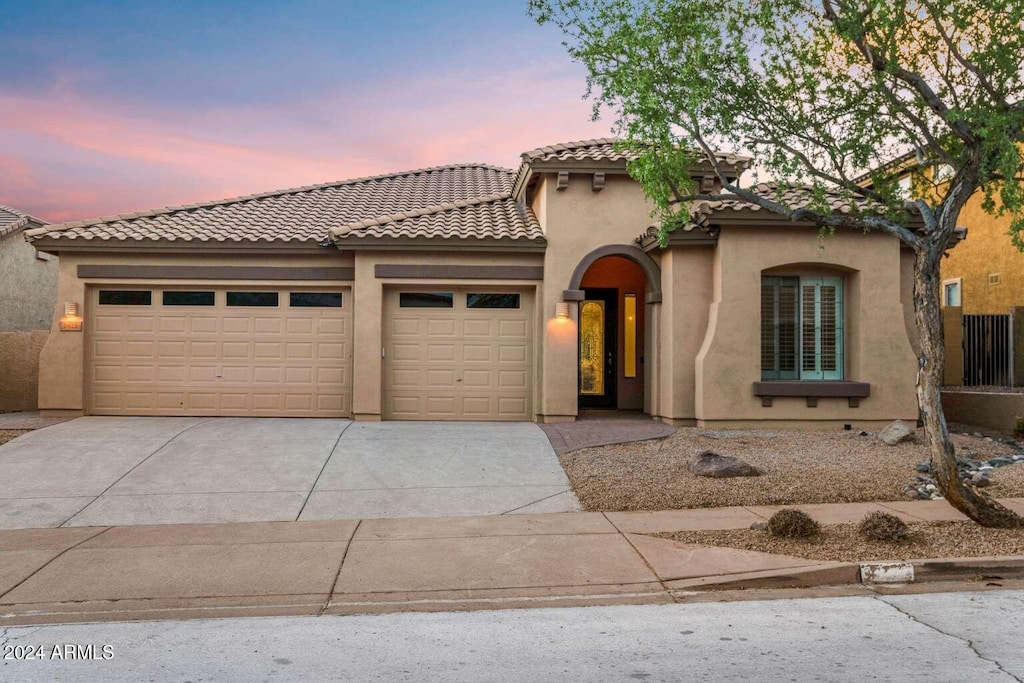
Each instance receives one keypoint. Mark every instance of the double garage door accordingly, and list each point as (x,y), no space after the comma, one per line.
(219,351)
(457,354)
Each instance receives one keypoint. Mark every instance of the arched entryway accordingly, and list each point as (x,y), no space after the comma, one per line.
(615,288)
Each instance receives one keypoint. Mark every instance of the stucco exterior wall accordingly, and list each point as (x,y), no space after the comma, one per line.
(687,277)
(987,250)
(19,369)
(997,411)
(577,221)
(28,286)
(878,350)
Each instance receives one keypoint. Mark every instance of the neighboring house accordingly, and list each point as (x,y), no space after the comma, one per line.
(982,288)
(28,291)
(470,292)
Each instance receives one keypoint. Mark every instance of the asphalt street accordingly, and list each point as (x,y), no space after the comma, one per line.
(969,636)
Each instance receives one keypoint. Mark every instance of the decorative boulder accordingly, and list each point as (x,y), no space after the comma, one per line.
(708,464)
(897,432)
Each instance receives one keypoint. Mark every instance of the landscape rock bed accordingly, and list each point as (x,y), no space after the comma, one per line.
(800,466)
(843,542)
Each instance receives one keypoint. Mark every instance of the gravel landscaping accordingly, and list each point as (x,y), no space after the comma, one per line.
(800,466)
(8,434)
(842,542)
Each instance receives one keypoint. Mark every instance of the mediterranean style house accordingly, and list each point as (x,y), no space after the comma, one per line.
(471,292)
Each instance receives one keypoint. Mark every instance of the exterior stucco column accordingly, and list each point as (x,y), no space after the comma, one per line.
(61,362)
(367,342)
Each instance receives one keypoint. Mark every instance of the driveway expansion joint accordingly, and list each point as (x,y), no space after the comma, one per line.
(102,530)
(132,469)
(337,576)
(967,642)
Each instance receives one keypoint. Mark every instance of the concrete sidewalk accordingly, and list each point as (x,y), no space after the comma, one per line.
(386,565)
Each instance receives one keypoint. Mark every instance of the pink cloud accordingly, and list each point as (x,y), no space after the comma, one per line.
(87,157)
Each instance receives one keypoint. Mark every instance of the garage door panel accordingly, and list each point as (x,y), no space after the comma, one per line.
(440,377)
(457,363)
(404,352)
(267,325)
(203,349)
(477,378)
(203,325)
(272,351)
(478,328)
(513,329)
(513,353)
(218,360)
(229,401)
(171,349)
(440,353)
(337,327)
(234,325)
(172,324)
(478,353)
(440,328)
(329,350)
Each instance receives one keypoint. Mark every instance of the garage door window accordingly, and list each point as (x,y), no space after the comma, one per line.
(121,297)
(426,299)
(181,298)
(252,298)
(492,301)
(315,299)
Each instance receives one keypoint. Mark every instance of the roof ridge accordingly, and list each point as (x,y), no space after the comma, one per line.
(342,230)
(564,146)
(264,195)
(22,220)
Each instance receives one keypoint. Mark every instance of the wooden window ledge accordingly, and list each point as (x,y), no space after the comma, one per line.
(812,391)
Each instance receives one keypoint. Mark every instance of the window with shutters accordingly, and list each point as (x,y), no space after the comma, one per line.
(802,328)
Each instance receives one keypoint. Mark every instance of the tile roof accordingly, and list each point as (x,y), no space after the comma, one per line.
(12,220)
(792,196)
(308,214)
(496,216)
(598,149)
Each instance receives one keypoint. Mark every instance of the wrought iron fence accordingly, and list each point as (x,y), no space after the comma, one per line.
(988,350)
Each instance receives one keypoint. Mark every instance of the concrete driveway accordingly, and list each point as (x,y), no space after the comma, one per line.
(100,471)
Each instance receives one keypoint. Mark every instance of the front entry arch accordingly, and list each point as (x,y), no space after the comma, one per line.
(617,332)
(652,272)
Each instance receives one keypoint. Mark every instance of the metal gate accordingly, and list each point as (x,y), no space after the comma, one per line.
(988,350)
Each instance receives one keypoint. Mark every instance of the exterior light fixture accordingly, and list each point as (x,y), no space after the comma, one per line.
(562,310)
(71,321)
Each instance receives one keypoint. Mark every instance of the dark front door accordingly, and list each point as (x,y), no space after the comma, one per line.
(598,352)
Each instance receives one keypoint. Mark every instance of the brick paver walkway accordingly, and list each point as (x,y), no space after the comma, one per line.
(571,436)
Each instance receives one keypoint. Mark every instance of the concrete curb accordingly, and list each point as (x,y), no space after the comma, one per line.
(867,573)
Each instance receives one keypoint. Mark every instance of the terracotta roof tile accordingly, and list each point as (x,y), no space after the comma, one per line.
(598,149)
(496,216)
(303,214)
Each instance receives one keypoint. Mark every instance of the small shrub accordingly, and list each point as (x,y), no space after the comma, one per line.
(1018,429)
(792,523)
(881,526)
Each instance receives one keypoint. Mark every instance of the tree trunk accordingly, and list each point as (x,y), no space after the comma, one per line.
(931,361)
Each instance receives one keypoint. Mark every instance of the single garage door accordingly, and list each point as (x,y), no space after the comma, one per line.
(219,351)
(458,354)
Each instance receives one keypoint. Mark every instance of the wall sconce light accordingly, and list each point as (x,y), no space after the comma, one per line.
(71,320)
(562,310)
